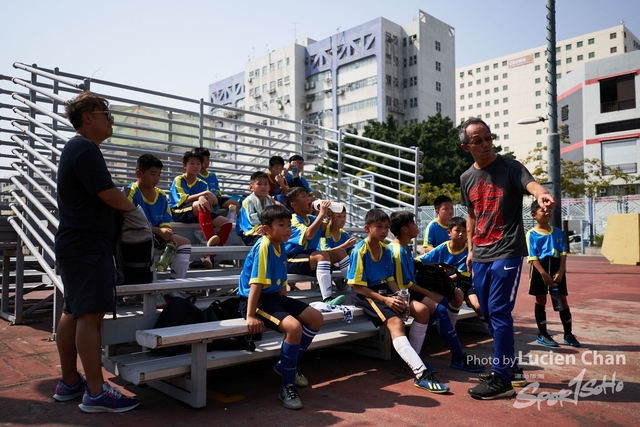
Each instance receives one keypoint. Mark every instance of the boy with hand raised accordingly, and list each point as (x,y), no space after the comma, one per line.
(264,302)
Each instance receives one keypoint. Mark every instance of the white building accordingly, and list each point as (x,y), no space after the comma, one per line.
(503,90)
(598,104)
(366,72)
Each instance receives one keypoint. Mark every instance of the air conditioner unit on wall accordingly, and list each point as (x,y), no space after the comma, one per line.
(307,106)
(340,91)
(272,90)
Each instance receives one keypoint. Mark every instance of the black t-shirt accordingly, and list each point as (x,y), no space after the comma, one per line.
(495,194)
(87,224)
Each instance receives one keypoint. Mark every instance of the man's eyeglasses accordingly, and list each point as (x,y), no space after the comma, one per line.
(488,140)
(109,115)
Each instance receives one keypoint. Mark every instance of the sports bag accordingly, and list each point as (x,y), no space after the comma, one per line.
(433,278)
(134,249)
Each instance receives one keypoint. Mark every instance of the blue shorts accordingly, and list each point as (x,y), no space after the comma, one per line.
(273,308)
(184,213)
(376,311)
(89,284)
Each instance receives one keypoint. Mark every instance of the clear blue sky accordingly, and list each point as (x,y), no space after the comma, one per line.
(181,47)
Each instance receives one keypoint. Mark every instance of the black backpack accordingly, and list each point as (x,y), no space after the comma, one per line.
(134,249)
(433,278)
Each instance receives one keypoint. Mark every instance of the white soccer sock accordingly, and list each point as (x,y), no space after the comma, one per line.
(416,335)
(344,267)
(323,274)
(453,314)
(180,262)
(409,355)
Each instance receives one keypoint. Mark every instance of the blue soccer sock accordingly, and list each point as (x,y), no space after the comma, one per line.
(307,336)
(289,362)
(448,332)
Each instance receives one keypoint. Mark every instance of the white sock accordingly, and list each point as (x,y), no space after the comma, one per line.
(344,267)
(323,274)
(180,262)
(416,335)
(409,355)
(453,314)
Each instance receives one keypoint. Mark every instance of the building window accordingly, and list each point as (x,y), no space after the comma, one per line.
(618,93)
(461,85)
(470,95)
(579,44)
(536,55)
(264,87)
(396,61)
(612,36)
(538,106)
(461,96)
(538,93)
(558,49)
(438,66)
(487,91)
(438,87)
(537,80)
(286,80)
(486,68)
(505,87)
(621,155)
(614,49)
(496,101)
(538,132)
(506,136)
(592,55)
(567,47)
(505,112)
(487,103)
(438,107)
(279,82)
(504,75)
(496,114)
(580,57)
(388,79)
(568,60)
(264,70)
(478,81)
(287,59)
(495,89)
(415,81)
(461,73)
(486,79)
(496,126)
(478,70)
(438,46)
(487,116)
(591,41)
(479,93)
(395,81)
(462,108)
(505,124)
(537,67)
(257,72)
(557,62)
(495,65)
(479,105)
(504,63)
(505,100)
(495,77)
(470,107)
(405,103)
(404,62)
(470,84)
(387,58)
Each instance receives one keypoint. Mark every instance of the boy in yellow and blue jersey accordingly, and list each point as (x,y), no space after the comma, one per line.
(153,201)
(548,259)
(373,288)
(436,232)
(424,310)
(264,302)
(191,201)
(248,224)
(212,181)
(454,253)
(334,237)
(302,246)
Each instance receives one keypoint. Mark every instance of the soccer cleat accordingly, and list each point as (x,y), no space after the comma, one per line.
(206,261)
(493,387)
(465,364)
(301,380)
(213,241)
(571,340)
(546,340)
(290,398)
(109,400)
(65,392)
(516,376)
(335,301)
(428,381)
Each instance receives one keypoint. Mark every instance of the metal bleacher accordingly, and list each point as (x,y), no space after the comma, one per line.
(34,130)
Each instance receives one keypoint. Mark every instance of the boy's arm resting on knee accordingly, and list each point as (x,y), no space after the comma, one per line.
(254,324)
(114,198)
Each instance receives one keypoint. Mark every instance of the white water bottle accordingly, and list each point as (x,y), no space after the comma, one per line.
(334,207)
(231,216)
(404,295)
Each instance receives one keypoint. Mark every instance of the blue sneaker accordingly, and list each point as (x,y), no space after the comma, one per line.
(109,400)
(571,340)
(546,341)
(428,381)
(65,392)
(466,363)
(301,380)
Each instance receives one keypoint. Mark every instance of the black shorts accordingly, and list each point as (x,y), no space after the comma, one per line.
(158,242)
(376,311)
(466,286)
(273,308)
(536,283)
(299,264)
(89,282)
(184,213)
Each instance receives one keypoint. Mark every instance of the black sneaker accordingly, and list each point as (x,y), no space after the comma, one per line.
(546,340)
(494,387)
(516,376)
(571,340)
